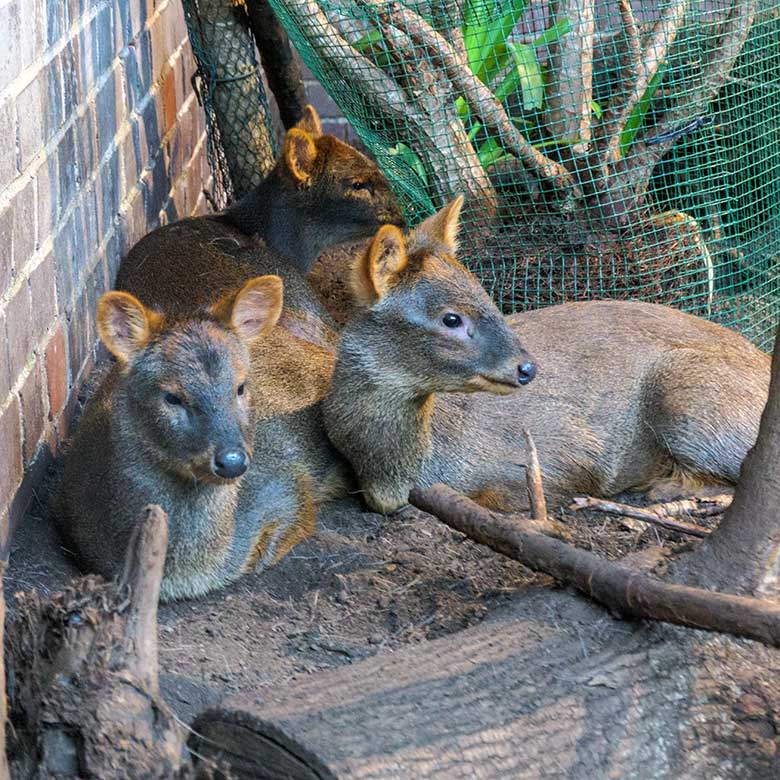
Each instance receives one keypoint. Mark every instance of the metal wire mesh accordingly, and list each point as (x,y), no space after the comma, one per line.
(609,149)
(241,141)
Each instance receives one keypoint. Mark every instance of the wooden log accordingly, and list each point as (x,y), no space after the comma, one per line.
(616,586)
(549,687)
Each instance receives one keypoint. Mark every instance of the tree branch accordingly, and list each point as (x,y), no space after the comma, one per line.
(533,477)
(618,587)
(445,158)
(570,83)
(479,98)
(744,554)
(142,574)
(278,60)
(662,37)
(645,514)
(715,70)
(614,114)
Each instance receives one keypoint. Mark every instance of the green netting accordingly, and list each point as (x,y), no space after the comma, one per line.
(608,151)
(241,142)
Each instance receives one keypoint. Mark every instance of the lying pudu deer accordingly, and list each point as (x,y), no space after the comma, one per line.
(321,192)
(626,394)
(176,421)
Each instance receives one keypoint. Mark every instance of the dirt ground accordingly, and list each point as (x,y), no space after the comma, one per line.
(365,584)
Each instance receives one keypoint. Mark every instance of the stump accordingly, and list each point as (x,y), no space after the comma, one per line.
(82,676)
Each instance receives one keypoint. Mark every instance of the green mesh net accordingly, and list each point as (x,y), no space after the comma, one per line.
(241,142)
(608,148)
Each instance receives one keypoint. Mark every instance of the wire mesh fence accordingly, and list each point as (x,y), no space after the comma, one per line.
(608,149)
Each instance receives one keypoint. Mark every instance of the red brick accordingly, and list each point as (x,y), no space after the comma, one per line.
(11,468)
(43,296)
(168,93)
(56,361)
(20,336)
(33,412)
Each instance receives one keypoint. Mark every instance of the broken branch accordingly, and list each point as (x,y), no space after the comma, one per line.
(616,586)
(533,478)
(663,35)
(143,573)
(661,515)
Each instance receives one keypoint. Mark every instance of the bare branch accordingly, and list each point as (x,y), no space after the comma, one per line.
(143,573)
(715,69)
(479,98)
(570,83)
(618,587)
(614,114)
(279,62)
(533,478)
(645,514)
(663,35)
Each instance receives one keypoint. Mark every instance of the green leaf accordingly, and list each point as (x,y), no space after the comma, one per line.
(596,109)
(410,159)
(372,45)
(639,112)
(529,76)
(487,34)
(551,34)
(491,152)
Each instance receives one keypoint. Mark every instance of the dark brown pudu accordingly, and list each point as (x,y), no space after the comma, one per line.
(322,192)
(173,422)
(627,394)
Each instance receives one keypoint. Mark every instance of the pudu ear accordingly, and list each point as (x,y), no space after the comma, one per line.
(376,272)
(440,228)
(300,156)
(124,324)
(310,122)
(254,310)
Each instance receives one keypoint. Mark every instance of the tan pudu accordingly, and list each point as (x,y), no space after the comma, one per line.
(321,192)
(174,423)
(626,394)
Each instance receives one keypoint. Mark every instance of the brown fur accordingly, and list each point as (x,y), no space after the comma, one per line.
(627,394)
(321,192)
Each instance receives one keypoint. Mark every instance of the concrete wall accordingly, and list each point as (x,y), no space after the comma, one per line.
(101,137)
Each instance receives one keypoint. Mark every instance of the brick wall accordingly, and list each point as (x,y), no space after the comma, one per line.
(101,138)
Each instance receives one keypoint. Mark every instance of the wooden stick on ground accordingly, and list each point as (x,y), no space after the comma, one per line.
(654,514)
(533,478)
(616,586)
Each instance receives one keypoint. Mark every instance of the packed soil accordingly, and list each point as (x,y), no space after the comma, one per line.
(365,584)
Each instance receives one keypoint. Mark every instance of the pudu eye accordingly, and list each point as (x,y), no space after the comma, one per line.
(172,400)
(240,389)
(361,185)
(452,320)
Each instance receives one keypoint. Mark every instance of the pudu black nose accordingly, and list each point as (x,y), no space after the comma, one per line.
(526,372)
(230,464)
